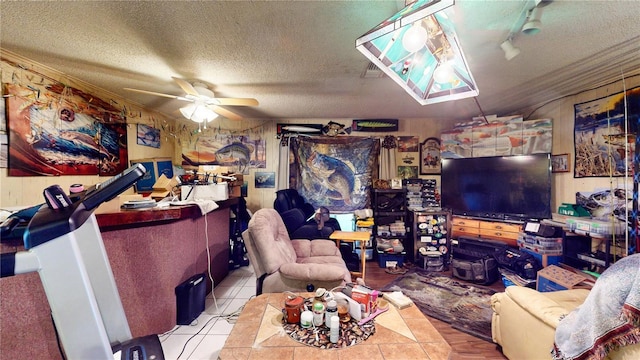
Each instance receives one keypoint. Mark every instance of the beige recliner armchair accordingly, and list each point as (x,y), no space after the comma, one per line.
(525,320)
(283,264)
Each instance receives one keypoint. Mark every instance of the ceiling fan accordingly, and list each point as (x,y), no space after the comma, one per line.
(204,105)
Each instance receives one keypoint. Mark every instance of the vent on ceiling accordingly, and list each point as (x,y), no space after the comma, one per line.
(371,71)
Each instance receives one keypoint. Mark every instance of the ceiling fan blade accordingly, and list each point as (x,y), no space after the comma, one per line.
(188,88)
(237,101)
(226,113)
(158,94)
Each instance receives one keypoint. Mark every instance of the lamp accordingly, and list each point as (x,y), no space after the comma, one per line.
(198,113)
(533,24)
(428,62)
(510,51)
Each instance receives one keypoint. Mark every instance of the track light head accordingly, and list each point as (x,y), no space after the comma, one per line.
(533,25)
(510,51)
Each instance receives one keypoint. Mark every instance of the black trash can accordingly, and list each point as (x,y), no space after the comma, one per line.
(190,298)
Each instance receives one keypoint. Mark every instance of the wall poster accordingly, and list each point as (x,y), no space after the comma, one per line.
(502,136)
(430,156)
(59,130)
(239,152)
(604,144)
(335,172)
(148,136)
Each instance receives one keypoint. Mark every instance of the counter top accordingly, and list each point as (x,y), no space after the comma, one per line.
(136,217)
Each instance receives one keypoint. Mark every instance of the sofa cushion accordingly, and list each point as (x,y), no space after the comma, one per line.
(313,272)
(318,247)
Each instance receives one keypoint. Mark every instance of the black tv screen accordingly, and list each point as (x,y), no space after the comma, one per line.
(503,187)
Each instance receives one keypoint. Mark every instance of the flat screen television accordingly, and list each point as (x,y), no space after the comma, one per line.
(516,188)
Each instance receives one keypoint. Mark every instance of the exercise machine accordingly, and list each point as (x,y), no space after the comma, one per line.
(64,245)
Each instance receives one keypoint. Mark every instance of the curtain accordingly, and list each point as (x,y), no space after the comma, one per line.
(283,164)
(388,168)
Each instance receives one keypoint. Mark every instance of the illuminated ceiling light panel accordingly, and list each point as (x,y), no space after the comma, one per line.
(418,48)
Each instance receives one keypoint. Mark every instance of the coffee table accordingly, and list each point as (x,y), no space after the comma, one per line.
(400,334)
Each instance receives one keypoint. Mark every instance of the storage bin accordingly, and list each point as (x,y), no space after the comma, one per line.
(545,259)
(432,263)
(389,260)
(595,228)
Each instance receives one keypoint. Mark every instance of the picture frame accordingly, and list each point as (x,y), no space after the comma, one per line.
(560,163)
(430,156)
(148,136)
(265,179)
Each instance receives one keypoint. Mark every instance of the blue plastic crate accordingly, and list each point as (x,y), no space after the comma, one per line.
(544,259)
(385,260)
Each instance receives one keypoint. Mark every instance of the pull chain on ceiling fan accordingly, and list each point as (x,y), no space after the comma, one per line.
(205,106)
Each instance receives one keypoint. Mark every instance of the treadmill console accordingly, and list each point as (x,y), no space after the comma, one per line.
(51,222)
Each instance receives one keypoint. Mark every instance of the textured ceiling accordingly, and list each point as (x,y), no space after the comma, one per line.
(298,58)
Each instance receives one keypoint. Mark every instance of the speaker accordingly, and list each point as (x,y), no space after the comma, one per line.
(544,230)
(190,299)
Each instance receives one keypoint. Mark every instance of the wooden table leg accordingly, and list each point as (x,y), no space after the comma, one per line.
(363,256)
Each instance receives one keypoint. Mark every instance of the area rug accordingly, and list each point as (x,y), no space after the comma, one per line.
(465,306)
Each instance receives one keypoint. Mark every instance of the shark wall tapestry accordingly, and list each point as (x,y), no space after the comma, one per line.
(238,152)
(604,144)
(336,173)
(58,130)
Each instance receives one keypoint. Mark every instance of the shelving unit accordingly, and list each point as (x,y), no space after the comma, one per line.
(391,217)
(578,243)
(432,230)
(577,251)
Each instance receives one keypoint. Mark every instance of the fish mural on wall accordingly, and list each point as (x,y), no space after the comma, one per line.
(238,152)
(335,173)
(505,136)
(58,130)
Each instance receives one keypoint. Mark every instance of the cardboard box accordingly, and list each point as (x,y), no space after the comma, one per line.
(235,187)
(364,300)
(163,186)
(554,278)
(544,259)
(155,167)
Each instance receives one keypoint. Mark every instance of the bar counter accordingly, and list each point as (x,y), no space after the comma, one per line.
(151,251)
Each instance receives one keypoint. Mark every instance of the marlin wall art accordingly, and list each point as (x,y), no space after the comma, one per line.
(58,130)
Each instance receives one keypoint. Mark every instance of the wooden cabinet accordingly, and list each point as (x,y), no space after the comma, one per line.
(492,230)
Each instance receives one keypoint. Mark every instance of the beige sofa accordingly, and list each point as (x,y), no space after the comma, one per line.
(283,264)
(524,322)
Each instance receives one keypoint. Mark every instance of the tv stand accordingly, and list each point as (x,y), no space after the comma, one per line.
(506,232)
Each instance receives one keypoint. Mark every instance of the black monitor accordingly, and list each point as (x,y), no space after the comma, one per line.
(503,187)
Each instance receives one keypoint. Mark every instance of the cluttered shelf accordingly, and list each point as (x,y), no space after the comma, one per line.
(588,243)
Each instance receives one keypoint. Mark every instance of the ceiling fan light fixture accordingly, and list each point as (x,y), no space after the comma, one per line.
(198,113)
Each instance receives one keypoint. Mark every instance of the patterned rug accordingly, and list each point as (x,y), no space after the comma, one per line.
(465,306)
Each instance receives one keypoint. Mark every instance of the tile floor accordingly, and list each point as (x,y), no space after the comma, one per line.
(203,339)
